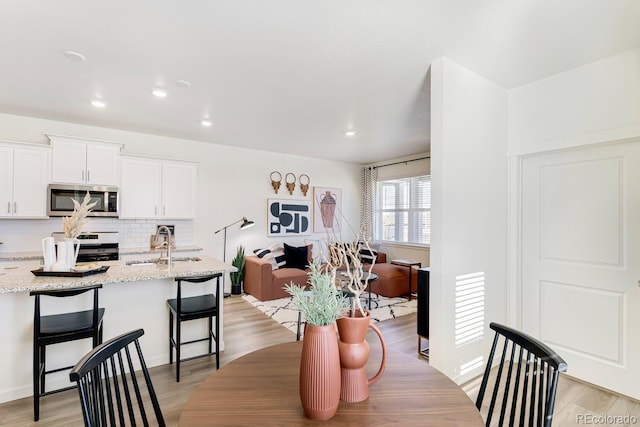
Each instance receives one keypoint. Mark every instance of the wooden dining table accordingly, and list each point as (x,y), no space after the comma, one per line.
(262,388)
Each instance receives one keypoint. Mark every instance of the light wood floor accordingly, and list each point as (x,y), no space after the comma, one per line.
(247,329)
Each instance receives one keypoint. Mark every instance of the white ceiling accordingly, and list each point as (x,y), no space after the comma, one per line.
(287,75)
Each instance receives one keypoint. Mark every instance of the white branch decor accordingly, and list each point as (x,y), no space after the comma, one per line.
(72,225)
(345,257)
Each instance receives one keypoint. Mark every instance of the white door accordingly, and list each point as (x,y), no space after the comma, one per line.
(581,260)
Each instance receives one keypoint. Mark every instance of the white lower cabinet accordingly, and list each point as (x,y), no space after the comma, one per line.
(157,188)
(24,175)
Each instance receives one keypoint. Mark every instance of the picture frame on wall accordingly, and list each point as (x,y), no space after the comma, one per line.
(327,212)
(287,217)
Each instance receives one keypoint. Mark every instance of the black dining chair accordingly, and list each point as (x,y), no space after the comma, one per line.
(107,384)
(527,394)
(191,308)
(59,328)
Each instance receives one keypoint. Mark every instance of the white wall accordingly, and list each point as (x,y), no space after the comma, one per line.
(469,213)
(598,102)
(232,182)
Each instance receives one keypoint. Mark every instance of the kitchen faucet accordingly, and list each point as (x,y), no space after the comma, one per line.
(166,243)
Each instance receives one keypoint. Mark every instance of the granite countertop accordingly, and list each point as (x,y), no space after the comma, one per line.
(37,256)
(21,279)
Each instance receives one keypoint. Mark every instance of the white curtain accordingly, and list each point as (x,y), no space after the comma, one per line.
(367,201)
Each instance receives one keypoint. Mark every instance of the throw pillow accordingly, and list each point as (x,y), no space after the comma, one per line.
(368,256)
(274,254)
(277,254)
(261,253)
(296,257)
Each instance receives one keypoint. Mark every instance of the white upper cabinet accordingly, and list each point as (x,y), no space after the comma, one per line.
(178,190)
(157,188)
(24,175)
(139,187)
(87,162)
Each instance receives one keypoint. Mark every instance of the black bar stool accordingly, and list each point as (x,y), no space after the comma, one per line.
(58,328)
(198,307)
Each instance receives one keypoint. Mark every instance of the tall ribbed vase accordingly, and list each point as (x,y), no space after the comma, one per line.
(320,372)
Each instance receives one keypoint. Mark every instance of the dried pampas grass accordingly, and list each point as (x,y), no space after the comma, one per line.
(72,225)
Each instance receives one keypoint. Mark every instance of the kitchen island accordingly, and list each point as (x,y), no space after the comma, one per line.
(134,296)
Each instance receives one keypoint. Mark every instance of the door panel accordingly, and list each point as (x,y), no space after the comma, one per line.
(598,336)
(592,193)
(581,258)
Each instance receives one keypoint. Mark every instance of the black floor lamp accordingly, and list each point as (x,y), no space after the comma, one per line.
(245,224)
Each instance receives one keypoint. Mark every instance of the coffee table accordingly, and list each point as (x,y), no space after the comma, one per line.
(262,389)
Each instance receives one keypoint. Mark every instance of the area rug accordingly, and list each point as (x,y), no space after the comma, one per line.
(382,308)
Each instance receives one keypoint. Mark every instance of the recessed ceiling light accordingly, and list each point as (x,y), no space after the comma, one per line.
(98,103)
(206,123)
(350,133)
(160,92)
(74,56)
(183,83)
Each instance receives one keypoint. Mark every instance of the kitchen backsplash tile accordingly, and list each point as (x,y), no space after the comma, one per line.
(26,235)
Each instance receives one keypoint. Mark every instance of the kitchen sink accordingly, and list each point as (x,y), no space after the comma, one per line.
(187,259)
(143,262)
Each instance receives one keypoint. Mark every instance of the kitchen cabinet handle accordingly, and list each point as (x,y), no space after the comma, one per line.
(15,207)
(164,210)
(155,210)
(8,207)
(82,175)
(88,176)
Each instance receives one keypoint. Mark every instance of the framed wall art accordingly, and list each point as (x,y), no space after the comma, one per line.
(327,212)
(288,217)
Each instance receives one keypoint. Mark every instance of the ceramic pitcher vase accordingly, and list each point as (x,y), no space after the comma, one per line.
(320,372)
(67,256)
(354,354)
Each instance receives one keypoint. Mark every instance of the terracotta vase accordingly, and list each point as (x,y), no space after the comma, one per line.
(354,354)
(320,372)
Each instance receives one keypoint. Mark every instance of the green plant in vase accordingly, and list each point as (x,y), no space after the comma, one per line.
(322,304)
(238,276)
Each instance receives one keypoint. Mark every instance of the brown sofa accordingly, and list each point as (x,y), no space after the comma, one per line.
(266,284)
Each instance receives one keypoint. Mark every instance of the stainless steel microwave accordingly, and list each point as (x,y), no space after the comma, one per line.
(61,196)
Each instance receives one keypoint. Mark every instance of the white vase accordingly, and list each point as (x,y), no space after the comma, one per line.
(67,256)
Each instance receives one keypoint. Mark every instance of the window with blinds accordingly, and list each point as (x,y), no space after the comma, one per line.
(403,210)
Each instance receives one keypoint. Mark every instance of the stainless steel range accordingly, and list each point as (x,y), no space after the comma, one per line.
(95,245)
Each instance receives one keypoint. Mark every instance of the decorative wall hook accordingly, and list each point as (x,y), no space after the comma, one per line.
(276,184)
(290,185)
(304,186)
